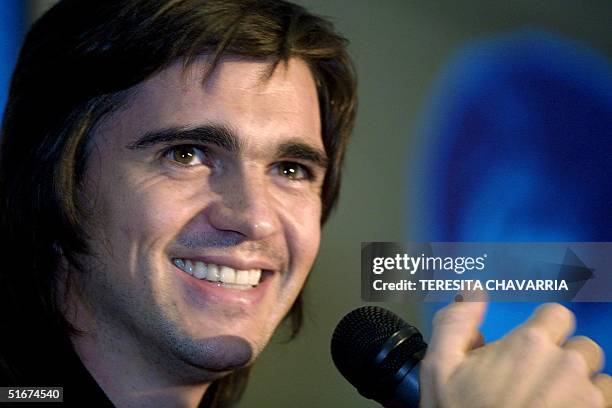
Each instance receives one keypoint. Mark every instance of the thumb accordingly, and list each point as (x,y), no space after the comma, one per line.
(455,331)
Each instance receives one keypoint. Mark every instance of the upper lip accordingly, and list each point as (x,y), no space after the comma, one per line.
(233,261)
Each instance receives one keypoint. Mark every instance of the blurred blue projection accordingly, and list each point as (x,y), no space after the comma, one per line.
(515,144)
(11,31)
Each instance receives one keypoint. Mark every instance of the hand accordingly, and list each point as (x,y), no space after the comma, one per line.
(533,366)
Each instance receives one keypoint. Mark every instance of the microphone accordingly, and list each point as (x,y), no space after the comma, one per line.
(379,354)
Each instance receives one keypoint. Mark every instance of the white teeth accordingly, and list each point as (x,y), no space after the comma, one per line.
(188,267)
(254,276)
(242,277)
(229,277)
(213,273)
(199,270)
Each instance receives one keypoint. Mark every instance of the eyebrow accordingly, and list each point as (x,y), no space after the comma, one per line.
(213,134)
(225,137)
(302,151)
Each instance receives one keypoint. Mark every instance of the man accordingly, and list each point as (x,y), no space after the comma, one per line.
(165,168)
(183,168)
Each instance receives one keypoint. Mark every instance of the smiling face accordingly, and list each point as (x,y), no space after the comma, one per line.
(203,203)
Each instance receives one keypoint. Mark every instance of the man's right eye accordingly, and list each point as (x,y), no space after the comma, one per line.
(186,155)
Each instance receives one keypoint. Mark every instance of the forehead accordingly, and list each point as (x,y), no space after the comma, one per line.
(240,93)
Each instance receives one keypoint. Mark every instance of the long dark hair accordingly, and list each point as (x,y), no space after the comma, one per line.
(76,66)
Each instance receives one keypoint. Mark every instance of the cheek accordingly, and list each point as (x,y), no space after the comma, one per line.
(311,238)
(141,217)
(150,214)
(305,235)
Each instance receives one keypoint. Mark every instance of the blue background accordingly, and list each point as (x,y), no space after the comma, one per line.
(517,138)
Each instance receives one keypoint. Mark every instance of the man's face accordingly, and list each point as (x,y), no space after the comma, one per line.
(204,211)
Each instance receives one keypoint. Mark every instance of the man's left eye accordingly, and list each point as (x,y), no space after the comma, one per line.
(186,155)
(293,171)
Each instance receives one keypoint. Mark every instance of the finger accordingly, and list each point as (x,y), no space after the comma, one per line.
(474,296)
(454,329)
(589,350)
(553,320)
(604,383)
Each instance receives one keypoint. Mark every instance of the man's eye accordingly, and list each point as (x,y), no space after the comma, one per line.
(186,155)
(293,171)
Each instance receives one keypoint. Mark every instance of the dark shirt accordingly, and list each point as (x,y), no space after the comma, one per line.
(61,368)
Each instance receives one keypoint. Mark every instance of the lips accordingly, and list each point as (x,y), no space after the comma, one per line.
(223,275)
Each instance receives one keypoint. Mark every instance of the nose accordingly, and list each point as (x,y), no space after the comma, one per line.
(245,206)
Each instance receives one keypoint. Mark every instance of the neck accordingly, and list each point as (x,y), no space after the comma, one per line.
(130,382)
(131,373)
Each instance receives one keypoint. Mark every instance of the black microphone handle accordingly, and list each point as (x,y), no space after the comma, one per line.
(407,393)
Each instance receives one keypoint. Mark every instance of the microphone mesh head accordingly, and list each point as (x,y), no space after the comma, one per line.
(359,338)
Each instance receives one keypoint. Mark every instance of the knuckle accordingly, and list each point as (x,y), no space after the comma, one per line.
(591,345)
(557,313)
(585,340)
(605,381)
(588,346)
(574,361)
(531,338)
(594,398)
